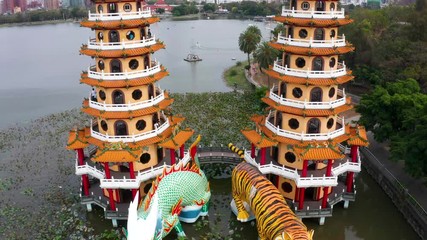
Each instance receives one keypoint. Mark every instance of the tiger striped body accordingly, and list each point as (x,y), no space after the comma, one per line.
(275,220)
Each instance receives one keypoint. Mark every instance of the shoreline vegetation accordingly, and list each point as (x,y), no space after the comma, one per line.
(45,22)
(234,77)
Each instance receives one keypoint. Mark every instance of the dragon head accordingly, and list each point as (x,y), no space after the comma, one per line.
(149,228)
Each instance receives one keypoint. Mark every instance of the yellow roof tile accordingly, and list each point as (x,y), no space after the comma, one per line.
(260,141)
(119,24)
(312,51)
(110,153)
(174,142)
(310,81)
(122,52)
(76,139)
(311,22)
(358,136)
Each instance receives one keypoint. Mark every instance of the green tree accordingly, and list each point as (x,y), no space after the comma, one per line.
(209,7)
(398,112)
(160,10)
(265,56)
(248,40)
(280,28)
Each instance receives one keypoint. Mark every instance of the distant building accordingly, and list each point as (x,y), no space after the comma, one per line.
(14,6)
(51,4)
(160,4)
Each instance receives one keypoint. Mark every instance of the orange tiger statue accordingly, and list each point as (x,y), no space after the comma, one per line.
(275,220)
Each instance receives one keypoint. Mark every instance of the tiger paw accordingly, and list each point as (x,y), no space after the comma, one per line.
(243,216)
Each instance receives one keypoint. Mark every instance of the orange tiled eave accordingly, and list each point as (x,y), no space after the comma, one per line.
(310,81)
(174,142)
(259,141)
(124,83)
(122,155)
(311,22)
(127,114)
(122,52)
(319,152)
(309,112)
(119,24)
(358,136)
(312,51)
(76,139)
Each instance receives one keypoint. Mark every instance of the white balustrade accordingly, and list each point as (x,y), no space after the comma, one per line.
(292,174)
(120,15)
(93,44)
(130,138)
(87,169)
(306,136)
(308,105)
(339,42)
(332,14)
(123,75)
(346,167)
(127,107)
(339,72)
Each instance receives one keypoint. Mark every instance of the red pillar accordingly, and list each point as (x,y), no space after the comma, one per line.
(252,150)
(132,176)
(350,175)
(110,191)
(263,153)
(277,181)
(173,158)
(85,179)
(181,151)
(302,190)
(325,189)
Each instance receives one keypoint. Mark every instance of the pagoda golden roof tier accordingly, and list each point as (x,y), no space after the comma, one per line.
(176,141)
(119,24)
(76,139)
(111,1)
(308,51)
(130,52)
(153,140)
(124,83)
(117,152)
(260,123)
(358,136)
(127,114)
(316,151)
(308,112)
(309,81)
(312,22)
(260,141)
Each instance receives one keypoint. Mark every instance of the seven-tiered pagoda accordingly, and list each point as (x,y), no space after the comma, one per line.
(130,136)
(304,142)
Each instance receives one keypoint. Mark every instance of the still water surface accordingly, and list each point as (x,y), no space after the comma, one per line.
(40,68)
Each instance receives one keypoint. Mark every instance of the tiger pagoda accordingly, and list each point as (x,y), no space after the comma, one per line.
(303,142)
(131,135)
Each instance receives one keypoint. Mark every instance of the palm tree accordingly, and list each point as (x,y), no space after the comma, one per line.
(265,56)
(248,40)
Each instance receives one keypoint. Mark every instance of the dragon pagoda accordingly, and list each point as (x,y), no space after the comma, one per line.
(303,142)
(131,136)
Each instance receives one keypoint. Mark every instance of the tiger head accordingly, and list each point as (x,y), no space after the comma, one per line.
(306,235)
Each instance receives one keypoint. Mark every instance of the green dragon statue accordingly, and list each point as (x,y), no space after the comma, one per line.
(180,193)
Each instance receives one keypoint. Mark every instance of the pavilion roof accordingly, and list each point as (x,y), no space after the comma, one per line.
(124,83)
(312,22)
(258,139)
(76,139)
(177,140)
(127,114)
(308,112)
(119,24)
(311,81)
(130,52)
(117,152)
(309,51)
(358,136)
(318,151)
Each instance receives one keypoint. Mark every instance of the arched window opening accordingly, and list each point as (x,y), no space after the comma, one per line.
(143,33)
(146,62)
(313,125)
(319,34)
(279,119)
(320,6)
(120,128)
(150,91)
(114,36)
(118,97)
(116,66)
(316,94)
(282,89)
(112,7)
(317,64)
